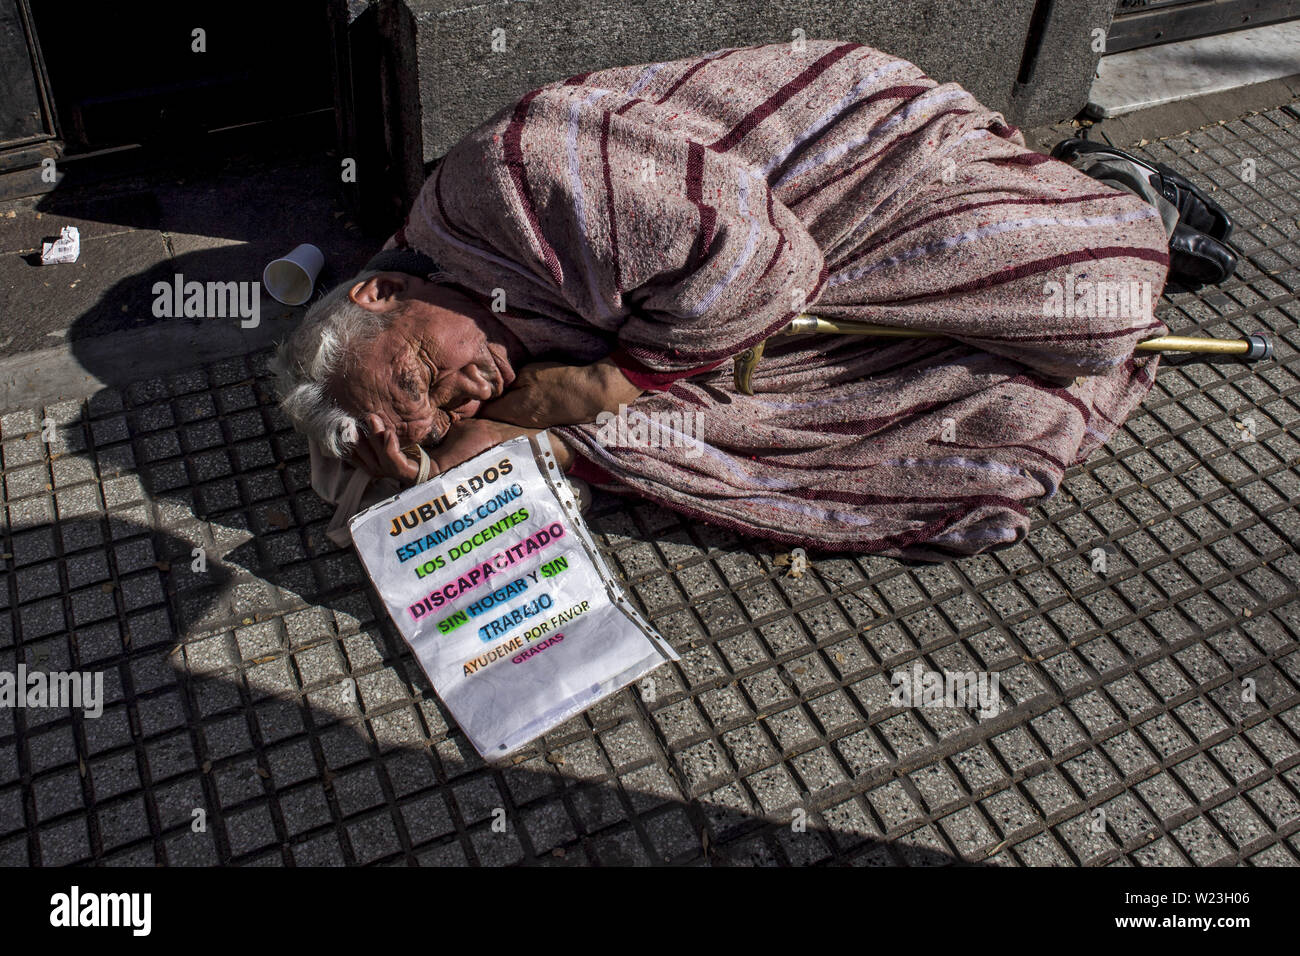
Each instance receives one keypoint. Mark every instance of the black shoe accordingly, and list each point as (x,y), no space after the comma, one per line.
(1195,209)
(1197,258)
(1198,249)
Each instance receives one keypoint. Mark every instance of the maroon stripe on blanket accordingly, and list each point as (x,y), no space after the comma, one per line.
(967,207)
(782,96)
(708,229)
(628,105)
(1106,418)
(686,395)
(814,190)
(1039,266)
(1024,159)
(648,379)
(615,265)
(780,238)
(869,426)
(1061,393)
(512,148)
(695,172)
(695,194)
(1051,459)
(896,92)
(776,255)
(689,73)
(588,471)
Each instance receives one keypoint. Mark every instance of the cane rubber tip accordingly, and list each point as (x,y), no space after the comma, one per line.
(1260,347)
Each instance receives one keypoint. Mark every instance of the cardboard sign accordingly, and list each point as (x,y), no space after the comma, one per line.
(493,579)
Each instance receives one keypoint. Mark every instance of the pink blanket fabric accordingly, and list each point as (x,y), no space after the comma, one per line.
(673,214)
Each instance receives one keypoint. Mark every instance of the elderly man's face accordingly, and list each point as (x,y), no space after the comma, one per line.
(432,366)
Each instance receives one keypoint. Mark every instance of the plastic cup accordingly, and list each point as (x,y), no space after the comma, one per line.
(292,280)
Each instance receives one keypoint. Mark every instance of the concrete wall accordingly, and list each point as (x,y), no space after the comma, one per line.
(1065,64)
(1032,59)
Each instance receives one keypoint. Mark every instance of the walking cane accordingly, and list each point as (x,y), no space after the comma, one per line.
(1254,347)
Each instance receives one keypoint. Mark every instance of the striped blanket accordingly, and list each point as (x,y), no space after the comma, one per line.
(673,214)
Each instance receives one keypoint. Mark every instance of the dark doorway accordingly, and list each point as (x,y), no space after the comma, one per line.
(108,89)
(153,72)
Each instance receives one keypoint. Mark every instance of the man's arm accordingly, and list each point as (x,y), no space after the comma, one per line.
(550,393)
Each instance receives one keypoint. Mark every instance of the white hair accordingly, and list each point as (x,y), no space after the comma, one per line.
(304,363)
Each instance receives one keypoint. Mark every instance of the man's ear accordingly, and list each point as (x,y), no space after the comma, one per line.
(380,293)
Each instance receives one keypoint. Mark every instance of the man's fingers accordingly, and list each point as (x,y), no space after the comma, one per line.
(363,452)
(380,455)
(364,458)
(395,459)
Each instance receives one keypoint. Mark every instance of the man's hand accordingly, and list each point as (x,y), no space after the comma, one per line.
(549,393)
(380,456)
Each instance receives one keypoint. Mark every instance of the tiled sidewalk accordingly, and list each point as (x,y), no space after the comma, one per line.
(269,692)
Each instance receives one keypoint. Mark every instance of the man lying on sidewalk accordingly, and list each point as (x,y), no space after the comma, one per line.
(615,239)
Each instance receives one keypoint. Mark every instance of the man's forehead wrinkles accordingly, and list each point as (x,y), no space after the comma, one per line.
(412,337)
